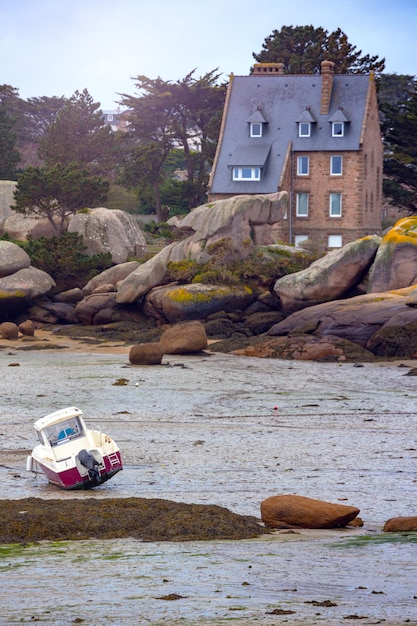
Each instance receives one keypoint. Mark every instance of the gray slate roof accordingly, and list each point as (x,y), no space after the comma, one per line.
(283,101)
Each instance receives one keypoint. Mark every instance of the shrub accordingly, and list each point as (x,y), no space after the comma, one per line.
(63,257)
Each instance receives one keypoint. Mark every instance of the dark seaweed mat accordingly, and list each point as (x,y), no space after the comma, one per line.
(35,519)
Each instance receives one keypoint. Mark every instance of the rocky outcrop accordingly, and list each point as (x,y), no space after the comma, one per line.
(184,338)
(356,319)
(302,347)
(240,219)
(328,278)
(109,230)
(302,512)
(395,264)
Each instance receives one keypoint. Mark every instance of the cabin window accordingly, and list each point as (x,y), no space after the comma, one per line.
(303,166)
(338,129)
(247,173)
(256,129)
(304,129)
(302,204)
(334,241)
(64,431)
(336,165)
(335,209)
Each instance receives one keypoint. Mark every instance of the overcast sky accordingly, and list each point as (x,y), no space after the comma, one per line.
(54,47)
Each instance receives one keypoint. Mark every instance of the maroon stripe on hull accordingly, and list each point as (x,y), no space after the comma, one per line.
(72,479)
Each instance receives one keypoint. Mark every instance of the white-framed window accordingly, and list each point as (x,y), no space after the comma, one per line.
(304,129)
(334,241)
(247,173)
(256,129)
(335,206)
(303,166)
(336,165)
(301,205)
(338,129)
(298,239)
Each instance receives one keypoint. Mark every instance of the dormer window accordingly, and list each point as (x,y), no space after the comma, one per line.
(305,121)
(339,123)
(257,124)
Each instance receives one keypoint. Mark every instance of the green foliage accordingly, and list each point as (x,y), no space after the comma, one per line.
(64,258)
(183,271)
(9,155)
(79,135)
(58,192)
(400,132)
(303,48)
(159,229)
(166,115)
(119,197)
(260,268)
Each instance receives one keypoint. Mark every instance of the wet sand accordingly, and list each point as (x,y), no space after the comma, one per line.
(204,430)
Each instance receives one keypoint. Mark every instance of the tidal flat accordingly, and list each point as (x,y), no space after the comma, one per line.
(217,429)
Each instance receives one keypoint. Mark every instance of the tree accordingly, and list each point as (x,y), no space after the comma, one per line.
(303,48)
(80,135)
(58,192)
(9,155)
(400,131)
(169,115)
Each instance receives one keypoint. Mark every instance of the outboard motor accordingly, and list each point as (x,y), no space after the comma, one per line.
(88,461)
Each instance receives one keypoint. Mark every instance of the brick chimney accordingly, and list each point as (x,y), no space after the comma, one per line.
(327,74)
(268,69)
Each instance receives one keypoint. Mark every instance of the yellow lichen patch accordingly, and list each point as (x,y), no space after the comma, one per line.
(404,231)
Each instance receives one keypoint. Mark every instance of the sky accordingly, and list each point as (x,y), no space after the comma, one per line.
(55,47)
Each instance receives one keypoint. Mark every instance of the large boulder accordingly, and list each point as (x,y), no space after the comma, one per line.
(109,230)
(112,276)
(102,308)
(196,301)
(241,219)
(7,189)
(395,264)
(150,353)
(184,338)
(12,258)
(19,226)
(329,277)
(302,512)
(20,289)
(400,525)
(356,319)
(9,330)
(142,280)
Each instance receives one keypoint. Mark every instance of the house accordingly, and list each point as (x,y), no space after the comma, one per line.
(116,119)
(315,136)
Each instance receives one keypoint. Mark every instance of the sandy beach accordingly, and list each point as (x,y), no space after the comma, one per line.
(204,429)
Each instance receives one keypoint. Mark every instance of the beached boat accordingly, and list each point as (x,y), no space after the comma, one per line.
(72,455)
